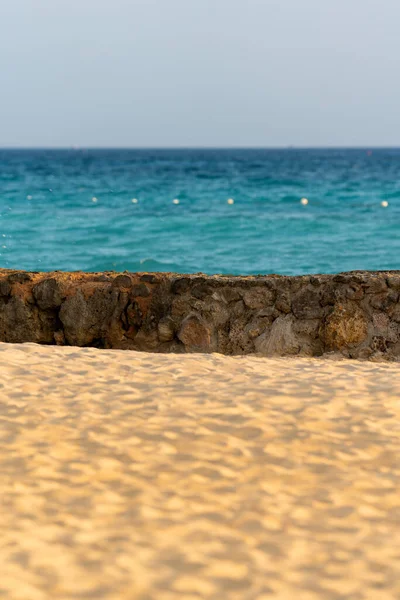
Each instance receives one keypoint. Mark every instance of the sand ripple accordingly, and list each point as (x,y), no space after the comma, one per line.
(161,477)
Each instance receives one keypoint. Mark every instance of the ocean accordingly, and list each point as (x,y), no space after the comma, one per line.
(211,211)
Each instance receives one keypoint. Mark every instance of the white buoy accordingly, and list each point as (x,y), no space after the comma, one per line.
(134,200)
(230,201)
(175,201)
(29,197)
(384,203)
(94,199)
(304,201)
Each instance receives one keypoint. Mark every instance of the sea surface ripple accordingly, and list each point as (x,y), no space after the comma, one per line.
(114,210)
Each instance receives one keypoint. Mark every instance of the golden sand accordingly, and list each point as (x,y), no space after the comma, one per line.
(130,476)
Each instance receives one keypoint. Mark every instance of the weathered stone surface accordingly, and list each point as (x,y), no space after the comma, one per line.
(307,328)
(59,338)
(237,309)
(379,344)
(329,293)
(346,326)
(5,288)
(351,314)
(134,314)
(259,298)
(166,330)
(384,299)
(47,294)
(227,295)
(395,313)
(380,322)
(217,312)
(149,278)
(19,277)
(283,302)
(195,335)
(350,291)
(393,332)
(180,286)
(146,340)
(240,342)
(85,319)
(258,326)
(140,290)
(201,291)
(20,322)
(122,282)
(280,339)
(393,282)
(306,305)
(353,277)
(375,285)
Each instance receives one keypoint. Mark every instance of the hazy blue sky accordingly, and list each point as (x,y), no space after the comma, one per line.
(199,72)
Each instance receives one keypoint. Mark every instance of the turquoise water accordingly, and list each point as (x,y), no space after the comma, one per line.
(48,219)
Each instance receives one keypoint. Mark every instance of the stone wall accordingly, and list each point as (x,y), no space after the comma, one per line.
(353,314)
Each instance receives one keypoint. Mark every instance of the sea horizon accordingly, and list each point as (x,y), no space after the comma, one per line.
(221,148)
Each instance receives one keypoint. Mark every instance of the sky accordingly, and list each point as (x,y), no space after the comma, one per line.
(199,73)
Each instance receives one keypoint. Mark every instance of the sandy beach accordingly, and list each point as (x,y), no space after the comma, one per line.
(139,476)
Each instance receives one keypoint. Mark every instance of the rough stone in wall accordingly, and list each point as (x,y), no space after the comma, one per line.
(354,315)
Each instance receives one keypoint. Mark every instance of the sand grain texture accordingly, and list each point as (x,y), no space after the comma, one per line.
(132,476)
